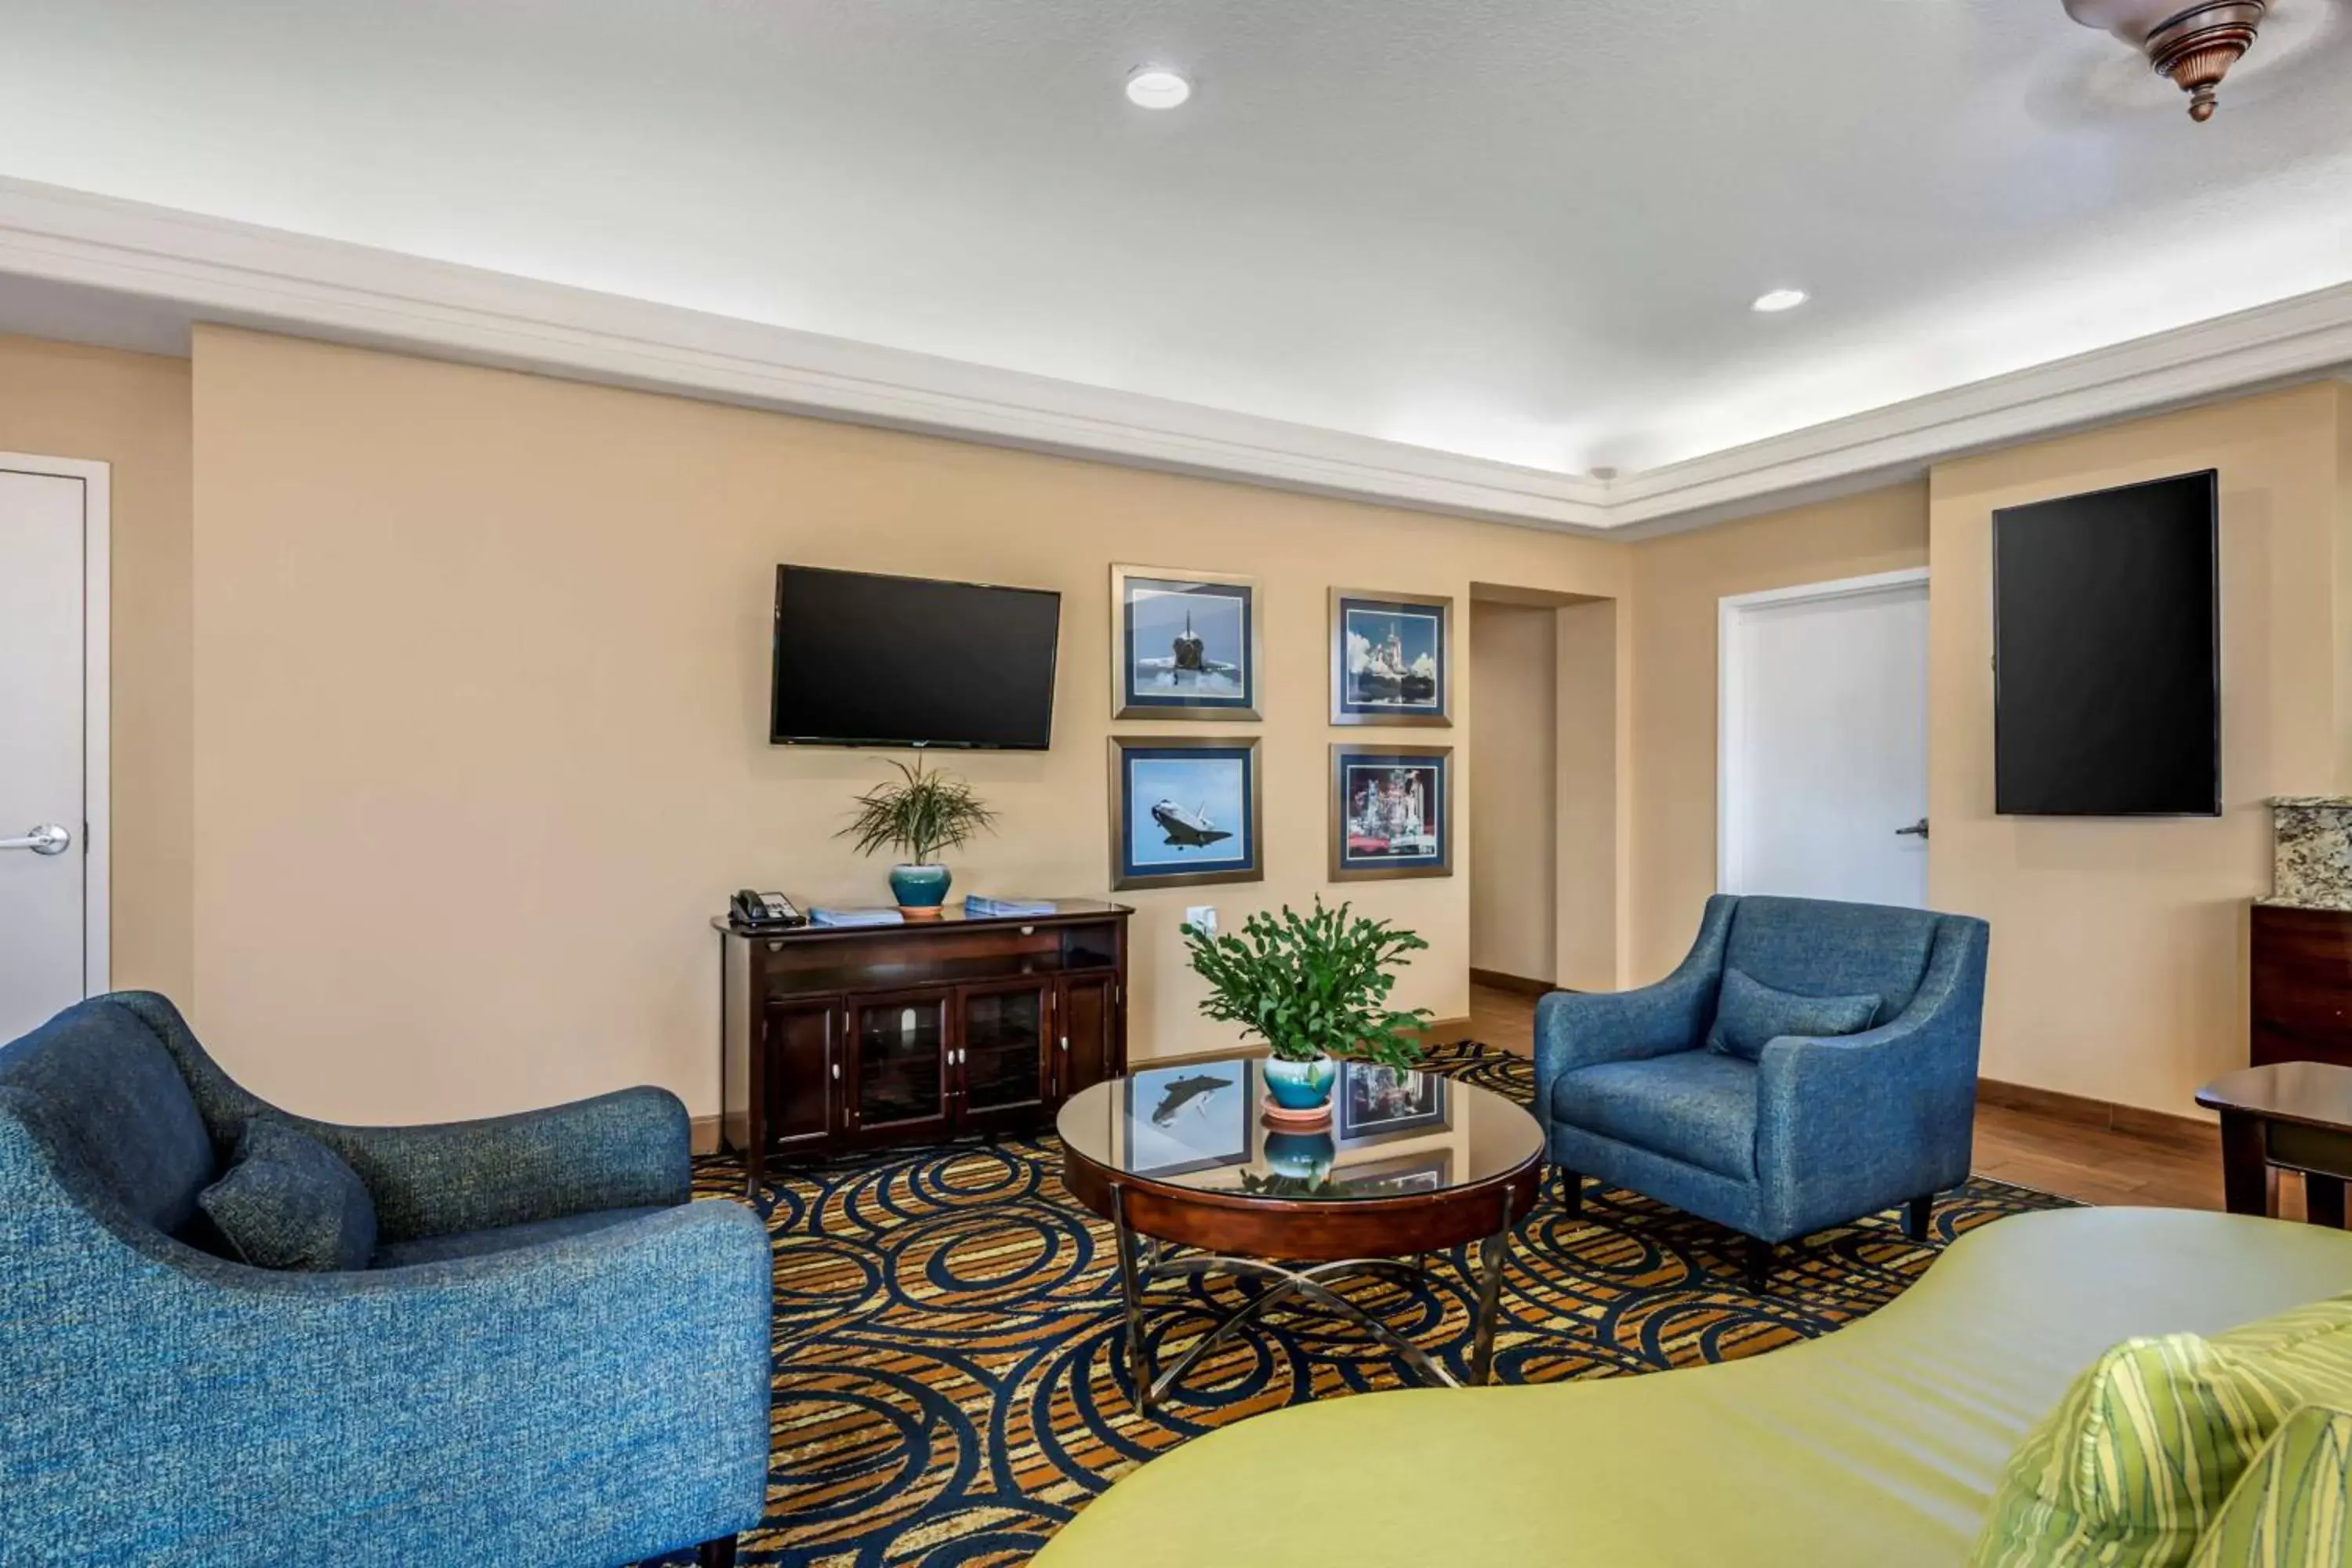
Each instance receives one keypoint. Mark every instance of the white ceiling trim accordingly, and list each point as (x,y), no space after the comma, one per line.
(247,275)
(2299,338)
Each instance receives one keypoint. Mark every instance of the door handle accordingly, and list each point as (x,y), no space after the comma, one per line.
(1916,830)
(49,838)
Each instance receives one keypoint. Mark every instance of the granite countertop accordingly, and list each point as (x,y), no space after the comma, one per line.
(2312,854)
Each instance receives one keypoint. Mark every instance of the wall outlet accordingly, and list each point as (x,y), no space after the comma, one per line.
(1203,918)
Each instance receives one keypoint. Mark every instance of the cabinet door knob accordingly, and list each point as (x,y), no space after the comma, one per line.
(837,1072)
(1066,1042)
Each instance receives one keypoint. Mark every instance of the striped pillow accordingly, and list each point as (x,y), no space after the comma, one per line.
(2293,1509)
(2135,1461)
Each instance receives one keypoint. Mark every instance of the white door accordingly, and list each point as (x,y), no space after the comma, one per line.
(1823,772)
(52,937)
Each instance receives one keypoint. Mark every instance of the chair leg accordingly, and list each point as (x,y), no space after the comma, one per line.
(1571,1191)
(719,1553)
(1916,1216)
(1756,1260)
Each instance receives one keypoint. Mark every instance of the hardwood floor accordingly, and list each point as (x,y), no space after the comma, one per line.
(2054,1153)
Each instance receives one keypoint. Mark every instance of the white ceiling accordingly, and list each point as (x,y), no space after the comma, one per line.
(1518,229)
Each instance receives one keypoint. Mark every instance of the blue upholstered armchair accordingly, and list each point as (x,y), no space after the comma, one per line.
(1791,1129)
(554,1358)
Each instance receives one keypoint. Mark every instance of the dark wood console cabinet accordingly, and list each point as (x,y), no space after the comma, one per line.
(834,1041)
(2301,986)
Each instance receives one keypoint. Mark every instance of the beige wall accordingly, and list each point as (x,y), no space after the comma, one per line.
(481,661)
(1592,786)
(1513,847)
(1677,583)
(2118,967)
(131,412)
(2343,657)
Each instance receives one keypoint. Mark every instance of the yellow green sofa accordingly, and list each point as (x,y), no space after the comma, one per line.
(1880,1444)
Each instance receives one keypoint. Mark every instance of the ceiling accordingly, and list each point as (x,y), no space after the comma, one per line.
(1523,230)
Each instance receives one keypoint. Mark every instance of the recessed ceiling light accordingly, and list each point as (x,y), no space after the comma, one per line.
(1157,87)
(1778,300)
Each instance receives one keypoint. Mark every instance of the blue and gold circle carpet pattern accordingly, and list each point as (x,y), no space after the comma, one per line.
(949,1386)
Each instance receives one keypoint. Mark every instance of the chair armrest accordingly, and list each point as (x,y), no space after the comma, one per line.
(1848,1124)
(608,1392)
(626,1150)
(1580,1029)
(630,1149)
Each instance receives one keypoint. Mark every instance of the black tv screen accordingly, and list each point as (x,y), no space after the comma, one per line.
(2106,653)
(867,660)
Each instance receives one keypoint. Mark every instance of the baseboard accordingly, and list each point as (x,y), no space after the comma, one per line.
(1499,981)
(2086,1111)
(703,1135)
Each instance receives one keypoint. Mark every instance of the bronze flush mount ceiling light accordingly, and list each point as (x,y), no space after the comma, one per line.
(2195,45)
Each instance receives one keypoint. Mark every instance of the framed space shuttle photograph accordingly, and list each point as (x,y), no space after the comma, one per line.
(1391,812)
(1391,658)
(1184,645)
(1185,811)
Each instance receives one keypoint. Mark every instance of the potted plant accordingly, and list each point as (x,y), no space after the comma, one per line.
(1314,988)
(920,815)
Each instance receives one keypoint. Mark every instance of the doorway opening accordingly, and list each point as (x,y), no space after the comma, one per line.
(1543,790)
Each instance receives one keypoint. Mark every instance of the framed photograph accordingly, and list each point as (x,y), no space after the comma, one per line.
(1184,645)
(1391,658)
(1374,1100)
(1391,812)
(1183,1119)
(1184,813)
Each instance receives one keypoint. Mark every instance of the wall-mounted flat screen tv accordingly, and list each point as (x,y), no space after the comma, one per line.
(863,659)
(2106,653)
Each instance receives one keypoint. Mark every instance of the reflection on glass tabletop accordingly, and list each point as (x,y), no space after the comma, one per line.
(1392,1134)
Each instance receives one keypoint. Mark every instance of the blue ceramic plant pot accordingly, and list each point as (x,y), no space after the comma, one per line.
(1301,1086)
(919,889)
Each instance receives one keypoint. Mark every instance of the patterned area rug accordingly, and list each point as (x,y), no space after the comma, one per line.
(948,1388)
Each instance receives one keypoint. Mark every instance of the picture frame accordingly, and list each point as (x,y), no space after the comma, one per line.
(1391,812)
(1185,1119)
(1391,658)
(1185,811)
(1372,1101)
(1407,1175)
(1185,645)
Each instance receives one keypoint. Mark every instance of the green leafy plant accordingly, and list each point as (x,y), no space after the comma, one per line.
(1312,986)
(921,815)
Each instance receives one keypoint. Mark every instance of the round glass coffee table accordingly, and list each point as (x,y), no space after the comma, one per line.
(1198,1180)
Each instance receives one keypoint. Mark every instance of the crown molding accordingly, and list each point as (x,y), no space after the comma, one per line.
(245,275)
(242,274)
(2305,337)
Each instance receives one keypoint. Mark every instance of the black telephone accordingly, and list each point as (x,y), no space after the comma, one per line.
(765,911)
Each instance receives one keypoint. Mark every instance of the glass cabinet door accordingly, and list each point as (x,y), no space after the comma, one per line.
(1003,1047)
(901,1048)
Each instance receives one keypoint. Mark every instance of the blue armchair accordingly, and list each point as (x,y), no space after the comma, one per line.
(1815,1132)
(555,1358)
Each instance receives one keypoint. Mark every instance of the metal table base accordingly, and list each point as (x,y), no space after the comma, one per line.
(1144,1262)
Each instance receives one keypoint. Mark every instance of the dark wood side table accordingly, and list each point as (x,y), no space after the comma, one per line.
(836,1040)
(2294,1116)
